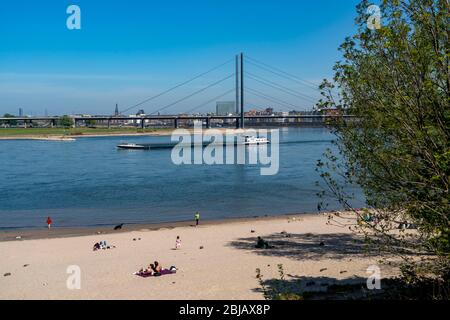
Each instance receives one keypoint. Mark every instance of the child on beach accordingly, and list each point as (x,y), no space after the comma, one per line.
(49,222)
(177,243)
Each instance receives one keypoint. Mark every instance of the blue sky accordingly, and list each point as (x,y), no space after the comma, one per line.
(130,50)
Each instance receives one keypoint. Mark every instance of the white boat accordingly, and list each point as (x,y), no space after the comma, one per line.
(251,140)
(133,146)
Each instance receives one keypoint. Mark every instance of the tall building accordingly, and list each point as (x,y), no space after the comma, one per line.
(20,112)
(224,108)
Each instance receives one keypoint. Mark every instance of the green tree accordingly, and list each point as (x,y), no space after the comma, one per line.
(396,80)
(66,121)
(91,123)
(11,122)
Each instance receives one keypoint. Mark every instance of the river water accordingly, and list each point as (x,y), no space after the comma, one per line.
(89,182)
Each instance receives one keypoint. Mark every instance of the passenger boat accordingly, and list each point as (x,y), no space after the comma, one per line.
(252,140)
(133,146)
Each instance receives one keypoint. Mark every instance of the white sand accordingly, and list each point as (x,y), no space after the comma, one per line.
(222,270)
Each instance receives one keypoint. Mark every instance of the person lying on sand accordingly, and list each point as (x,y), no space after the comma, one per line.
(155,270)
(145,272)
(262,244)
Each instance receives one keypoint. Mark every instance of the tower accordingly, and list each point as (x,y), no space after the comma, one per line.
(242,91)
(237,85)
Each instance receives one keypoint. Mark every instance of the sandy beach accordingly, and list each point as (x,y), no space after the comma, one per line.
(215,261)
(156,133)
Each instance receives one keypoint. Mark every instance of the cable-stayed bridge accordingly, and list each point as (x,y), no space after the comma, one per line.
(258,84)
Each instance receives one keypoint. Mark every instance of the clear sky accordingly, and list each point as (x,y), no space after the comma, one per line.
(127,51)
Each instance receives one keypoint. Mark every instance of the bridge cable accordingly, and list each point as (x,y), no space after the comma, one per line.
(282,88)
(286,74)
(209,101)
(193,94)
(177,86)
(270,98)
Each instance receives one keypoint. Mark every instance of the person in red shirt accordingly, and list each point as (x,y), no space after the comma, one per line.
(49,222)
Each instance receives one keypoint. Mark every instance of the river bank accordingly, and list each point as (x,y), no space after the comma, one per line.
(60,133)
(215,261)
(20,234)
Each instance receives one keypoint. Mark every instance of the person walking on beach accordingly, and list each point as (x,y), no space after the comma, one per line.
(177,243)
(197,218)
(49,222)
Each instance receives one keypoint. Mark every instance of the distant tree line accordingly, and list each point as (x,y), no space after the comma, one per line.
(11,122)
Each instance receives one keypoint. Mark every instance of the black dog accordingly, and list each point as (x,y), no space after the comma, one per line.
(118,227)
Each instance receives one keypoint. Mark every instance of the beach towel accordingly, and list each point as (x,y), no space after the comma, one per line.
(166,271)
(144,274)
(156,274)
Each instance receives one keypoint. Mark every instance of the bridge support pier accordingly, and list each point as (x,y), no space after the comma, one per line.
(237,123)
(142,124)
(175,123)
(208,123)
(109,123)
